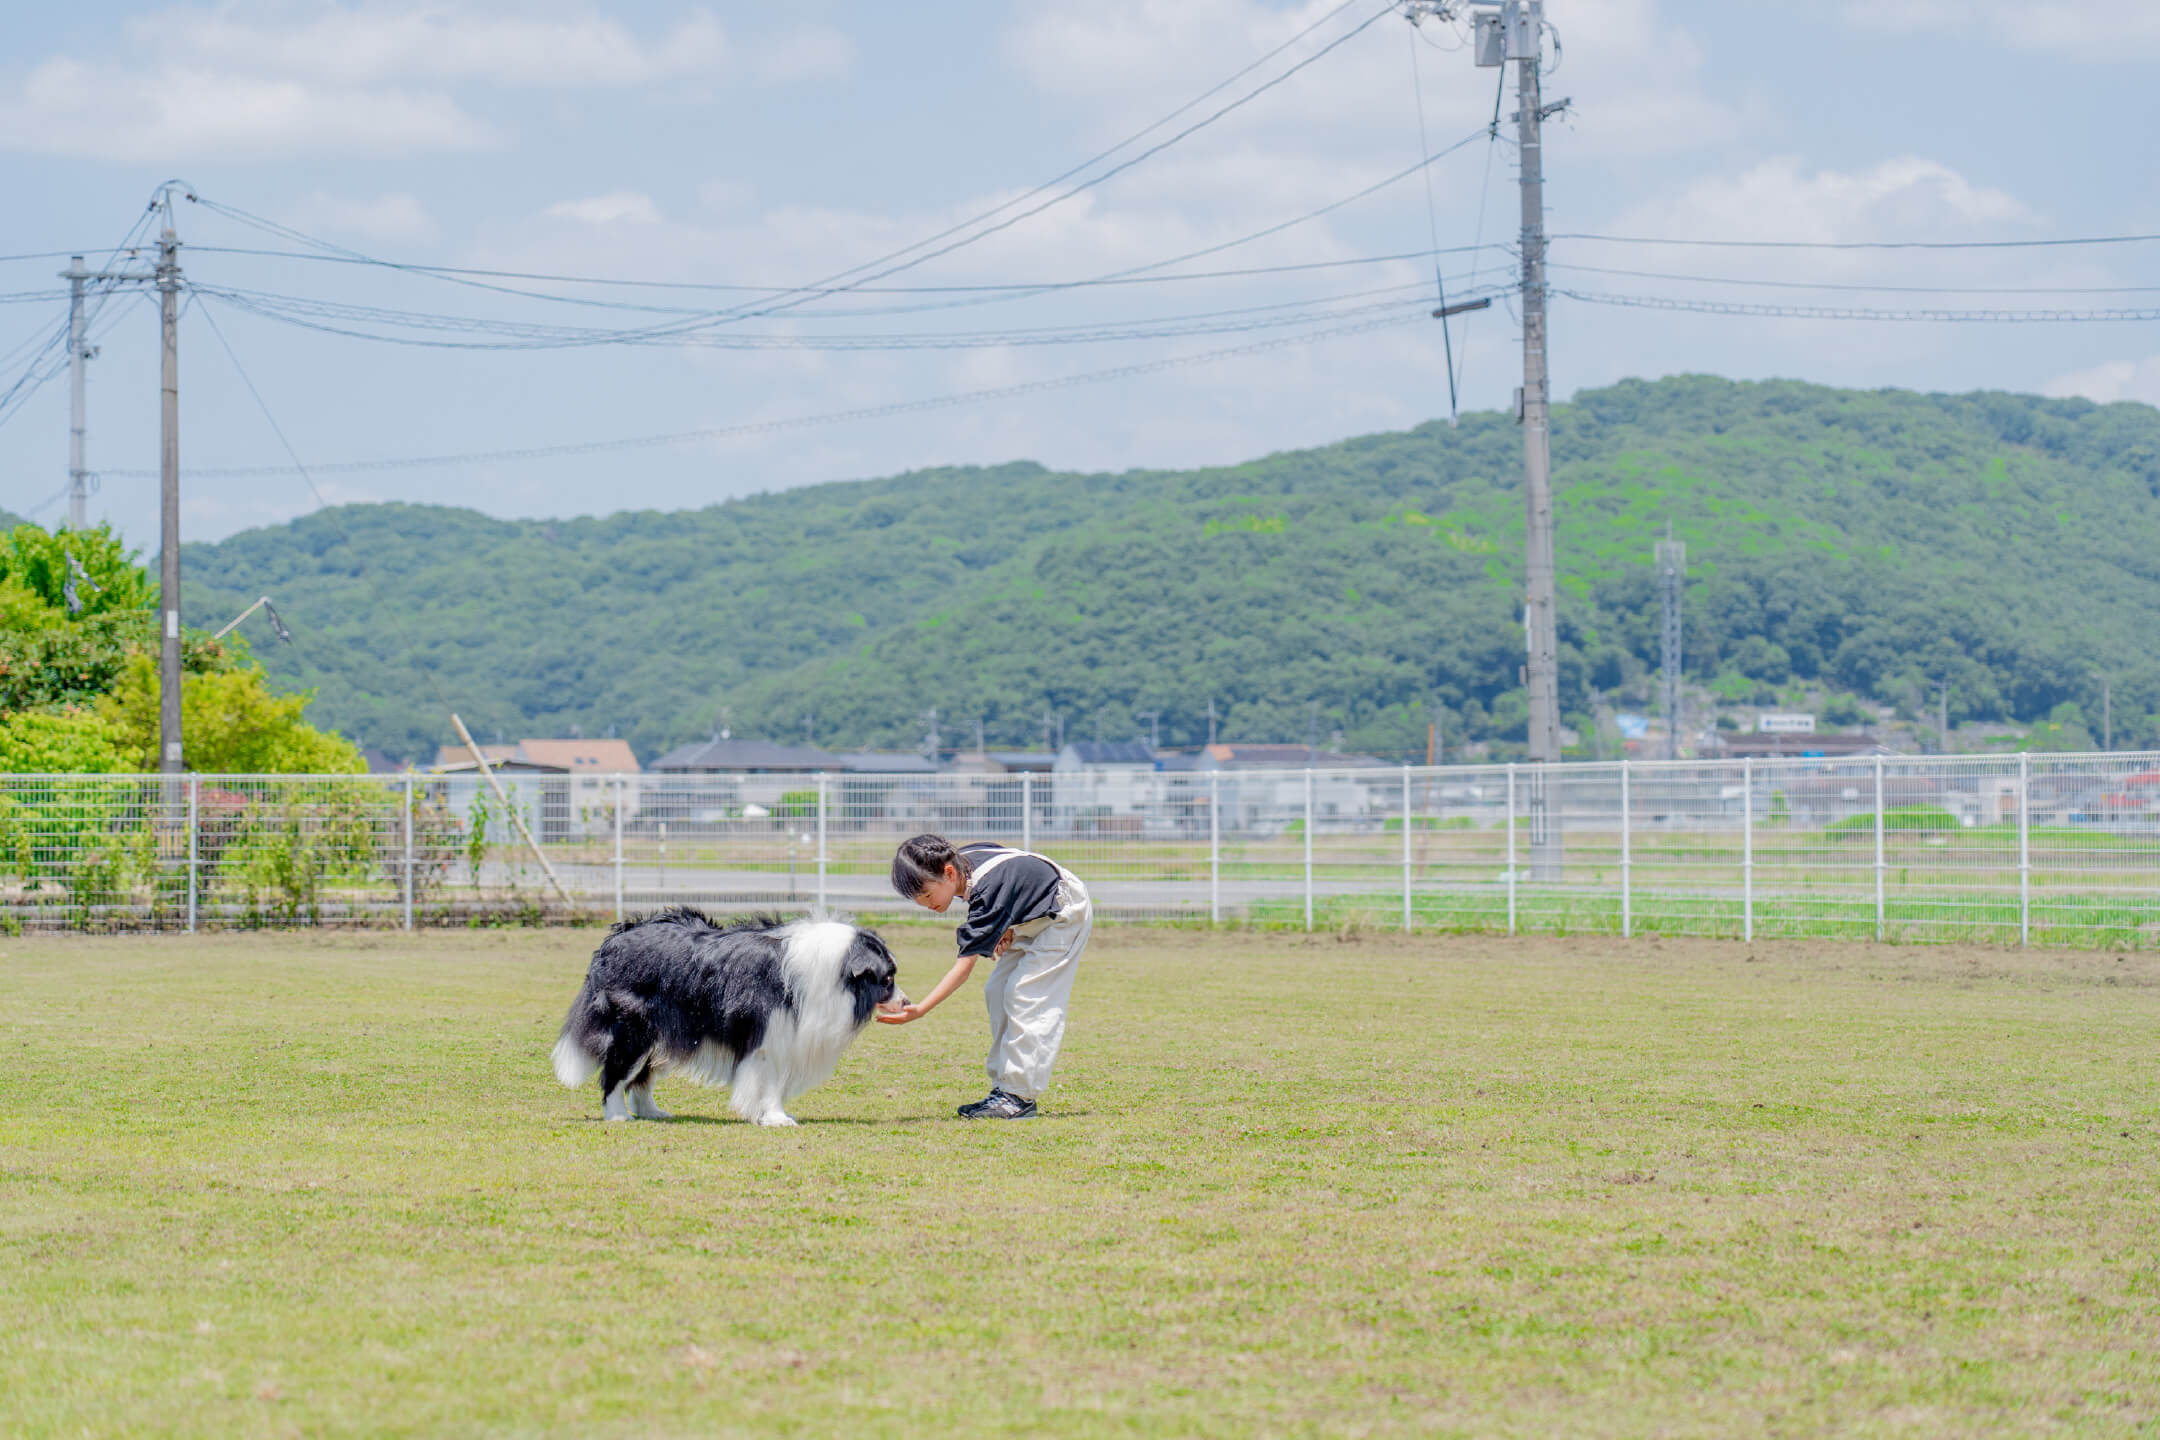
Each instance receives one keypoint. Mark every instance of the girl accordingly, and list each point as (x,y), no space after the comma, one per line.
(1034,916)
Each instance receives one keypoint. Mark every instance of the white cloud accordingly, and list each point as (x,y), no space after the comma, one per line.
(177,112)
(805,52)
(386,217)
(2103,30)
(255,80)
(1632,72)
(2111,381)
(366,43)
(1907,197)
(620,207)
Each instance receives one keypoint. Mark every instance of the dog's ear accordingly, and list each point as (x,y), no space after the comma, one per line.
(867,958)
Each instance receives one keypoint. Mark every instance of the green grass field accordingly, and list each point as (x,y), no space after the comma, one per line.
(325,1185)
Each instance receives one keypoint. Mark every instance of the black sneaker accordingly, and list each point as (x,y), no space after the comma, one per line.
(998,1105)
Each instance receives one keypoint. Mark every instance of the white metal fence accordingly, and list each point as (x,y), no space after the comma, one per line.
(2051,850)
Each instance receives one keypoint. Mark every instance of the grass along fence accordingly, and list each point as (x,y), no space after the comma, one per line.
(2053,850)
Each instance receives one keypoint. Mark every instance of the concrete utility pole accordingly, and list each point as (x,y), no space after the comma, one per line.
(1672,576)
(1502,31)
(168,285)
(78,352)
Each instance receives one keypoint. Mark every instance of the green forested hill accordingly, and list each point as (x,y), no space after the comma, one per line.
(1865,541)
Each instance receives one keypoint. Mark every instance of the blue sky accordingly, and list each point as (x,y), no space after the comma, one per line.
(760,145)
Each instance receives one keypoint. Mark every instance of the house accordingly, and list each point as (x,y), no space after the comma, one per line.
(1828,745)
(1264,787)
(595,777)
(1104,787)
(724,756)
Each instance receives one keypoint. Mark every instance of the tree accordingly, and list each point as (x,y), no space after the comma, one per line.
(78,673)
(233,722)
(63,742)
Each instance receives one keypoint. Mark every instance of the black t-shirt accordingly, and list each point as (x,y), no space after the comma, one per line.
(1020,889)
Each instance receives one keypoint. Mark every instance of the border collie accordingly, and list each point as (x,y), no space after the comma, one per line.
(763,1006)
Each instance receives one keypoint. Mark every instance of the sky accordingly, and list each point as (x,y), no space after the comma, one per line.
(688,146)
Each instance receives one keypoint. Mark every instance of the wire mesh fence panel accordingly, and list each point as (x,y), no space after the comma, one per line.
(1574,881)
(1949,849)
(1814,871)
(2093,850)
(1459,848)
(1687,822)
(2054,849)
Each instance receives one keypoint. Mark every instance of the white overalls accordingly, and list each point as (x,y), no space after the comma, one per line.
(1028,989)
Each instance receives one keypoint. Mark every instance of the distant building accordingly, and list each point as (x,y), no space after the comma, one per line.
(1104,787)
(1280,757)
(743,757)
(581,801)
(1263,787)
(1830,745)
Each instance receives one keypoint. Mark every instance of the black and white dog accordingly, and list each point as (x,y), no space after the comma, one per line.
(763,1006)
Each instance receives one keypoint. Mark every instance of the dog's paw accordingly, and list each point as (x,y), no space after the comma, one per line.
(774,1117)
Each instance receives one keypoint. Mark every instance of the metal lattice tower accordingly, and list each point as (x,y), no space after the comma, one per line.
(1672,575)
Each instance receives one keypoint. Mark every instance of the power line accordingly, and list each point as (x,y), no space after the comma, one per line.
(999,287)
(1828,312)
(1151,151)
(1881,289)
(1132,274)
(1862,244)
(512,335)
(868,412)
(838,282)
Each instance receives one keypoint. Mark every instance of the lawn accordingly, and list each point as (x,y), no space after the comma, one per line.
(325,1185)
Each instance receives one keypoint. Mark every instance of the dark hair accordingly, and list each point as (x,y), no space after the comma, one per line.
(923,859)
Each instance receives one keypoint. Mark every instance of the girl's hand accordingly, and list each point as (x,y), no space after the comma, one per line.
(903,1015)
(1004,944)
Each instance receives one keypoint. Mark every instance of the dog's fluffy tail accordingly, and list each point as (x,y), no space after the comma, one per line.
(572,1065)
(575,1062)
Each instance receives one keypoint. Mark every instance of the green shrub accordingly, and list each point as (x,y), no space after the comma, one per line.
(1896,818)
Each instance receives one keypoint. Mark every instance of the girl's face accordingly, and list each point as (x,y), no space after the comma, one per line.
(939,894)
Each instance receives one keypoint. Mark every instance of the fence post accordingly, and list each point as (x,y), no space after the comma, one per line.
(2024,850)
(1027,811)
(1214,847)
(821,842)
(194,818)
(619,802)
(1511,848)
(1406,849)
(1878,849)
(1627,856)
(1308,847)
(1747,850)
(408,886)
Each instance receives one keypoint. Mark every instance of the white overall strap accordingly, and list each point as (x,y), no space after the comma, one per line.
(991,864)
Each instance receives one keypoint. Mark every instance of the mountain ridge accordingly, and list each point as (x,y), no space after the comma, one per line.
(1862,541)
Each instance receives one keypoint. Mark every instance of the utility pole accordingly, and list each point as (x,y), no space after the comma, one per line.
(168,285)
(2107,709)
(1503,31)
(1942,717)
(1672,575)
(1154,719)
(78,353)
